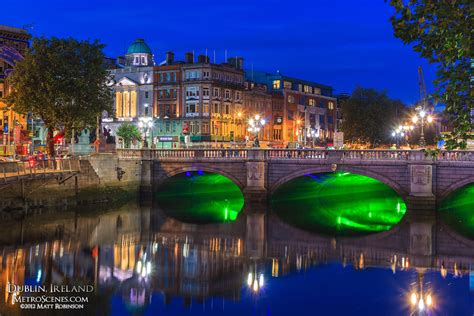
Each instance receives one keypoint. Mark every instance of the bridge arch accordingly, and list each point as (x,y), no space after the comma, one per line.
(455,186)
(158,182)
(324,169)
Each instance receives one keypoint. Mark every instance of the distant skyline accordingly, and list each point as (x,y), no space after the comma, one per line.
(339,43)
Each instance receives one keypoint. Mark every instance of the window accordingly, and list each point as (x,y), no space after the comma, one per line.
(205,92)
(330,119)
(276,84)
(226,108)
(317,91)
(291,99)
(215,108)
(205,127)
(206,74)
(205,108)
(227,94)
(194,128)
(237,95)
(300,87)
(168,127)
(146,94)
(192,75)
(321,119)
(311,102)
(143,59)
(287,84)
(216,93)
(331,105)
(192,107)
(308,89)
(168,76)
(192,92)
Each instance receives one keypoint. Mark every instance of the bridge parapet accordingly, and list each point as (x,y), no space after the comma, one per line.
(298,154)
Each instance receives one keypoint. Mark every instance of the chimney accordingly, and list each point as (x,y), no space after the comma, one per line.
(188,58)
(237,62)
(169,57)
(201,59)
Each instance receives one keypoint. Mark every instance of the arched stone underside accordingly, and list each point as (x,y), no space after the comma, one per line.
(173,172)
(325,169)
(455,186)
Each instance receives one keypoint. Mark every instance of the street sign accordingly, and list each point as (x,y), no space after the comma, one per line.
(166,139)
(338,140)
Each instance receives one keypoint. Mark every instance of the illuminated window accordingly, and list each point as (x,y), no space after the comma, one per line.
(276,84)
(311,102)
(308,89)
(287,84)
(331,105)
(291,99)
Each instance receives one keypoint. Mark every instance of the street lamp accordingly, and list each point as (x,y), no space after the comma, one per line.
(313,134)
(420,115)
(145,123)
(398,134)
(255,125)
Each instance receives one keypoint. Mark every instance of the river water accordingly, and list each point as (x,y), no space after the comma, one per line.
(330,244)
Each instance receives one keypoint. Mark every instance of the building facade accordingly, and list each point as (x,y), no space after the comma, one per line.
(212,99)
(132,83)
(13,126)
(308,109)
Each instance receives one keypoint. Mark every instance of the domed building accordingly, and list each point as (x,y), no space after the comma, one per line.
(139,54)
(133,87)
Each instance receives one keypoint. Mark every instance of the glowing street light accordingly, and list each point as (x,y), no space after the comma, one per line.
(398,134)
(420,116)
(255,125)
(145,123)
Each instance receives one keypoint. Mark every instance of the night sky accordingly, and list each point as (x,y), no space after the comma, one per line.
(339,43)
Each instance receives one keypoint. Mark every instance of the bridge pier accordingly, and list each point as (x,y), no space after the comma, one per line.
(146,174)
(255,190)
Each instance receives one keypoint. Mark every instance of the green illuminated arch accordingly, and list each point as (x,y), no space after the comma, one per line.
(457,210)
(340,203)
(200,197)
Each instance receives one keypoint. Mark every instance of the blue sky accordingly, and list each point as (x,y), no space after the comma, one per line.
(339,43)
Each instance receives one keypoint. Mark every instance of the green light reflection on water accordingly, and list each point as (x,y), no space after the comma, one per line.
(457,210)
(338,204)
(200,197)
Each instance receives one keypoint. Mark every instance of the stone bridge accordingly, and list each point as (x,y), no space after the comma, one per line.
(420,178)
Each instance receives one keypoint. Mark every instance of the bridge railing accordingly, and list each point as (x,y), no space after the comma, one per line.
(292,154)
(22,168)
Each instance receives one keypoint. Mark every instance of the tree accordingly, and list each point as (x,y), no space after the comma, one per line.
(129,133)
(370,116)
(441,32)
(63,82)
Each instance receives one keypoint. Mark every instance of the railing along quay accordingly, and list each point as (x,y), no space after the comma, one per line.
(295,154)
(31,169)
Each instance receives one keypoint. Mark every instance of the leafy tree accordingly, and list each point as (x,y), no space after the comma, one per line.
(129,133)
(63,82)
(370,116)
(441,32)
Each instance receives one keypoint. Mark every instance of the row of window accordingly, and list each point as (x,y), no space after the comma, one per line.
(311,102)
(167,93)
(292,86)
(216,93)
(216,75)
(169,76)
(193,107)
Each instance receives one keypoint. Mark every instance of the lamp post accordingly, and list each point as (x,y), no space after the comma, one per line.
(397,134)
(255,125)
(313,134)
(420,115)
(145,123)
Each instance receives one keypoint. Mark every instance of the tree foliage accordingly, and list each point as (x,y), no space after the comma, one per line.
(63,82)
(129,133)
(441,32)
(369,116)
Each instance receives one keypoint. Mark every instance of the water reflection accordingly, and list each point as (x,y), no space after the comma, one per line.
(142,261)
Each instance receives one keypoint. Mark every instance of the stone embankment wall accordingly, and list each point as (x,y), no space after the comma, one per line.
(102,178)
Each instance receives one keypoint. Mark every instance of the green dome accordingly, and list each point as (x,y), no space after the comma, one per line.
(139,47)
